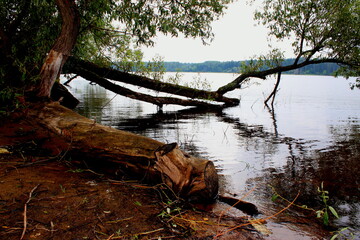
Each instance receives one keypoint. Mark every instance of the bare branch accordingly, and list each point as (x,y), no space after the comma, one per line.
(76,65)
(159,101)
(262,74)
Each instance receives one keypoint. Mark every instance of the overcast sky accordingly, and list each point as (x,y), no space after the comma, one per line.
(236,38)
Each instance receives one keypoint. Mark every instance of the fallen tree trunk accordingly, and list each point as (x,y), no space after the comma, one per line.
(138,156)
(159,101)
(88,70)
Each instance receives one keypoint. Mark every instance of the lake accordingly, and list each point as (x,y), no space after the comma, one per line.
(310,137)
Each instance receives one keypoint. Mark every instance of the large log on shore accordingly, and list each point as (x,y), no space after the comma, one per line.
(138,156)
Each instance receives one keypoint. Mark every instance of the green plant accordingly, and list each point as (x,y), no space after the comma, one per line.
(85,200)
(341,235)
(324,212)
(170,209)
(118,232)
(63,189)
(199,83)
(10,100)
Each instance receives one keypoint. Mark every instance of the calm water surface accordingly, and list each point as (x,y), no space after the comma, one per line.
(312,135)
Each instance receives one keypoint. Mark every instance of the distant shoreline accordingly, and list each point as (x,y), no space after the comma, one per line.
(329,75)
(325,69)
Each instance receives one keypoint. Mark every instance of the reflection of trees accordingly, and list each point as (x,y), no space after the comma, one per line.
(168,124)
(253,137)
(337,166)
(92,101)
(101,105)
(305,169)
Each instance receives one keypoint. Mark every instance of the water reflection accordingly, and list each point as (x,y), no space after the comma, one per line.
(336,166)
(311,135)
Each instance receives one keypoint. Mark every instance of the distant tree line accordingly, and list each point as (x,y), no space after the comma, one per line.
(234,67)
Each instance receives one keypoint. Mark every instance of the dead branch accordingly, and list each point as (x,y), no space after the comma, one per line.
(78,66)
(273,93)
(159,101)
(25,211)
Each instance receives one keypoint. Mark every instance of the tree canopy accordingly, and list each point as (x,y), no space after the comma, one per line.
(322,31)
(103,36)
(109,31)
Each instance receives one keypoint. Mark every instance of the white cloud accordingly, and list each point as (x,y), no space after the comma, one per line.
(236,38)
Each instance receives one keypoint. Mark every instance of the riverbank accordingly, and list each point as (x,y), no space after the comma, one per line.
(47,195)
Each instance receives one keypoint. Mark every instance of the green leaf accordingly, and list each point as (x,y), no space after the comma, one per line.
(138,203)
(274,197)
(319,213)
(334,237)
(326,218)
(333,211)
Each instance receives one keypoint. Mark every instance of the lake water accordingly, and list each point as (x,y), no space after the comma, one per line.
(312,135)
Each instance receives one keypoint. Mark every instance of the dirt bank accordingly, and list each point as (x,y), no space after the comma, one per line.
(48,195)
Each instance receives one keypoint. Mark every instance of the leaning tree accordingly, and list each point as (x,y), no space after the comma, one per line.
(98,40)
(41,39)
(322,31)
(38,39)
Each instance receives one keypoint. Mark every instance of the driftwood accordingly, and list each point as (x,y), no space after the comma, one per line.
(117,151)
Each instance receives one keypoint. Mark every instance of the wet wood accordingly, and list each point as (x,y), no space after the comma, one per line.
(244,206)
(120,152)
(61,94)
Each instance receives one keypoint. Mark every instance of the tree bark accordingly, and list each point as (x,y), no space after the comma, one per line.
(61,50)
(117,151)
(159,101)
(84,68)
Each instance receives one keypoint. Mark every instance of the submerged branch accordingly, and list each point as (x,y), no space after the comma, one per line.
(273,93)
(159,101)
(108,73)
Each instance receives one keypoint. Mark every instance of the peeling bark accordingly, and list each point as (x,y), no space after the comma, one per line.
(61,50)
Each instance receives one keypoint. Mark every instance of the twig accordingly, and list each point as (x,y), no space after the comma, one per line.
(69,80)
(296,205)
(138,234)
(258,220)
(226,210)
(273,93)
(25,211)
(120,220)
(109,238)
